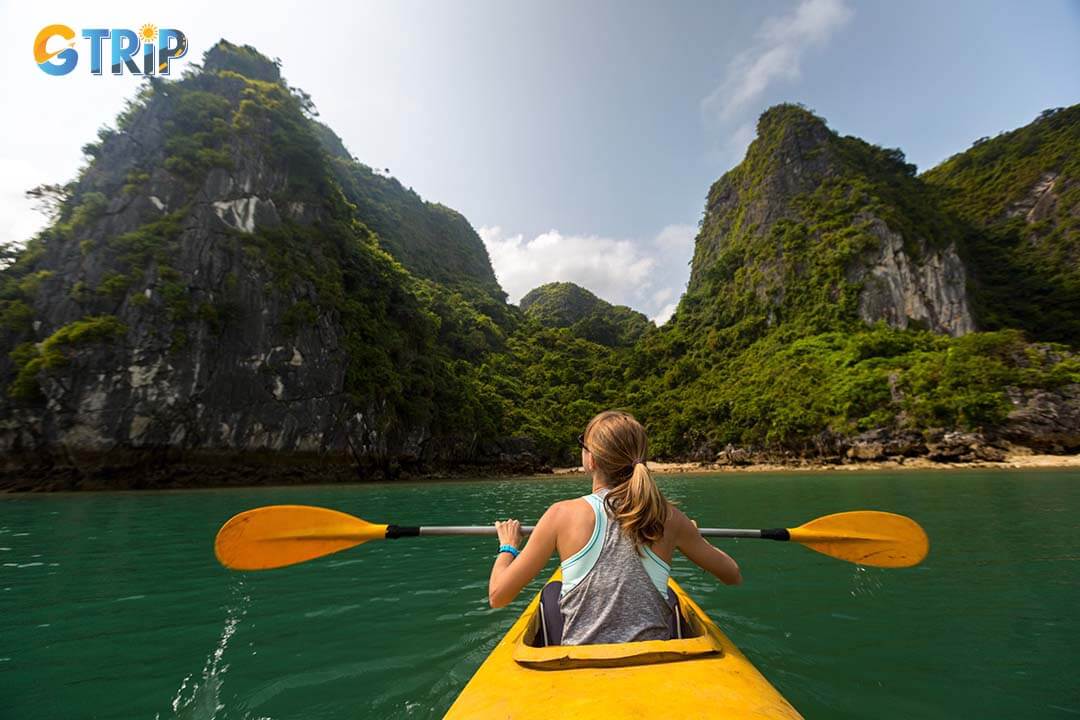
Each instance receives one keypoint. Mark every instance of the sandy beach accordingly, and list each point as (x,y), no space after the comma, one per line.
(1015,460)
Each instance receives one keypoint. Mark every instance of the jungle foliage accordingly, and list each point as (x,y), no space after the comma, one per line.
(765,350)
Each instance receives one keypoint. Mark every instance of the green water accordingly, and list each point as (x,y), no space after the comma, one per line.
(112,606)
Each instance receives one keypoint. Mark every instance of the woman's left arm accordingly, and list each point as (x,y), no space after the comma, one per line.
(509,574)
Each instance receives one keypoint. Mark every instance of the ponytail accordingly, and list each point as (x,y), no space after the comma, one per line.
(639,506)
(618,445)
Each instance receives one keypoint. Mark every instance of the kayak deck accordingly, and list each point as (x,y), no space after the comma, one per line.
(702,676)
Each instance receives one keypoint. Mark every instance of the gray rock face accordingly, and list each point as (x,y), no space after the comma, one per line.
(1041,200)
(1047,420)
(962,447)
(938,445)
(732,455)
(255,386)
(884,443)
(930,290)
(798,165)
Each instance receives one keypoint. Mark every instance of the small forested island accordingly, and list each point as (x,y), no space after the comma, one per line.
(226,295)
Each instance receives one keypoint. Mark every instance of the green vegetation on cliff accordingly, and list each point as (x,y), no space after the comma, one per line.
(430,240)
(56,351)
(768,349)
(566,305)
(790,392)
(548,383)
(820,304)
(784,230)
(1020,192)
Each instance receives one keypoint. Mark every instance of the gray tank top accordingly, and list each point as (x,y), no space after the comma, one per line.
(617,600)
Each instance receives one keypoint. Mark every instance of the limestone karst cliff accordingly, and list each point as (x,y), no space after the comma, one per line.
(1020,194)
(835,296)
(224,294)
(820,229)
(208,287)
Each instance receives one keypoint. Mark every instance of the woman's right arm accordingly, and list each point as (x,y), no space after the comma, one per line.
(702,553)
(510,576)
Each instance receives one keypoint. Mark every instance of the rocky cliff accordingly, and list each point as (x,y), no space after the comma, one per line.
(822,230)
(224,294)
(209,288)
(839,302)
(1020,194)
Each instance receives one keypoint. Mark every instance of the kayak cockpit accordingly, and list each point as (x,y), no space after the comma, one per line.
(551,619)
(537,646)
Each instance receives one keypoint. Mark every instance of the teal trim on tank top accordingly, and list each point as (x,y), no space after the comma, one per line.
(658,570)
(578,565)
(573,570)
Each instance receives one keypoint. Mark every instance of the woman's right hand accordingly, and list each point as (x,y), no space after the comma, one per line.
(509,532)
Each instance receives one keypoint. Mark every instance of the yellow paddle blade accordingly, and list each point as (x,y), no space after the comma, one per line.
(278,535)
(866,537)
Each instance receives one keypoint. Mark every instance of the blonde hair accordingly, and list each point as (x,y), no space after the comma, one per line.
(618,446)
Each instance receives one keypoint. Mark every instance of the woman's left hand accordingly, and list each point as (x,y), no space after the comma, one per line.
(509,532)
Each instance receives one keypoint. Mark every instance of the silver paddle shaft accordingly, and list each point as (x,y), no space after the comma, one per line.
(526,529)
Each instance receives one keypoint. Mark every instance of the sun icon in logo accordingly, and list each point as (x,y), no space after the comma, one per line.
(148,33)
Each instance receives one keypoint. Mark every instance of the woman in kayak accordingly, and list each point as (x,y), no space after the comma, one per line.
(615,544)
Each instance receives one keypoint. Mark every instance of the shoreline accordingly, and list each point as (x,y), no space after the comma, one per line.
(1012,461)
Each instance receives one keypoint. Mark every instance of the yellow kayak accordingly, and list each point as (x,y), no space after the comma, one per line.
(701,675)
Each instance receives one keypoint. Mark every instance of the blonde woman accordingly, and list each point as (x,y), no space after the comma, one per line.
(615,544)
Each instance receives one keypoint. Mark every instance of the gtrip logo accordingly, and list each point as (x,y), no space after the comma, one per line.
(147,51)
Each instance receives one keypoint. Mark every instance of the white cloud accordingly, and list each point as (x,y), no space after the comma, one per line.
(645,275)
(665,313)
(606,266)
(677,238)
(775,55)
(663,295)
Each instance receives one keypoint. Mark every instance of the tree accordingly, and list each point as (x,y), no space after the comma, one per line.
(49,199)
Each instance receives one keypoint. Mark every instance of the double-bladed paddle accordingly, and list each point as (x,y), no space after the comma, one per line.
(279,535)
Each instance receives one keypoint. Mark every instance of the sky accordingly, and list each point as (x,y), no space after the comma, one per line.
(578,137)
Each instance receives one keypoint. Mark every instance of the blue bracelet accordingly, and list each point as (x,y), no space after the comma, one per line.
(508,548)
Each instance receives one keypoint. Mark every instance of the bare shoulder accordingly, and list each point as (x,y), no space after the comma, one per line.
(561,510)
(562,506)
(676,515)
(677,522)
(562,517)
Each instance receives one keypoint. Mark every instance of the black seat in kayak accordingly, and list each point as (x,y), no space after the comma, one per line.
(551,619)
